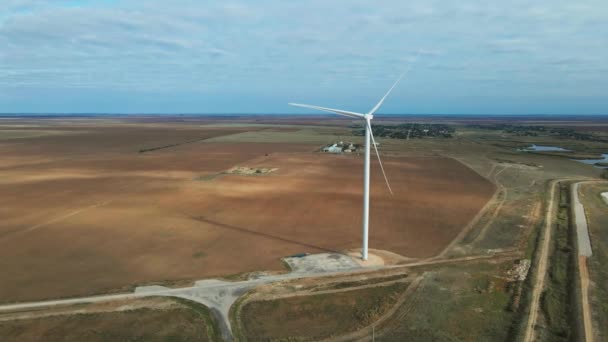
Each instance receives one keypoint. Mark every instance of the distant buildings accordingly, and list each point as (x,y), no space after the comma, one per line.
(340,147)
(408,131)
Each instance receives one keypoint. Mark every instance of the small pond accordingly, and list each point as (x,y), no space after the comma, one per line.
(543,148)
(593,161)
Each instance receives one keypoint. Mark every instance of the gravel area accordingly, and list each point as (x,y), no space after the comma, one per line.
(582,231)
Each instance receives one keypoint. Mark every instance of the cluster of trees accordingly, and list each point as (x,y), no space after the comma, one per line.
(537,130)
(525,130)
(572,134)
(409,130)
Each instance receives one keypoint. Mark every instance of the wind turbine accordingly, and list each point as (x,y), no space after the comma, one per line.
(368,134)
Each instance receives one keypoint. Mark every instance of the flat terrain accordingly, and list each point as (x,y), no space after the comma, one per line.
(92,206)
(318,316)
(467,302)
(101,204)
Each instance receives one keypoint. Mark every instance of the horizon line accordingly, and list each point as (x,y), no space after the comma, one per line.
(7,114)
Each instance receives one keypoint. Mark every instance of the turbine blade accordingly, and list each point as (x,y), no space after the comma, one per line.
(371,134)
(331,110)
(377,106)
(399,79)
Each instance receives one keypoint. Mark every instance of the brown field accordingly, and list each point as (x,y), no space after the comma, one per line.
(86,213)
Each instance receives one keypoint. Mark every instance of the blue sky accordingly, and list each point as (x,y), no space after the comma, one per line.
(153,56)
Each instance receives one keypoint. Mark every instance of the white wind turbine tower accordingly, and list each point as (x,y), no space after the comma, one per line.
(368,134)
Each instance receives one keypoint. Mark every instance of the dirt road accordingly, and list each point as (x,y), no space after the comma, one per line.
(541,269)
(587,321)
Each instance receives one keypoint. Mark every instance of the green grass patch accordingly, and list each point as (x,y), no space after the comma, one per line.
(199,254)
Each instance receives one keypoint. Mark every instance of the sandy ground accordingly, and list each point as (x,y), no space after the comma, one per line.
(86,213)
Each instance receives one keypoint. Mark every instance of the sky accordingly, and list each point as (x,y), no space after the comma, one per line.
(157,56)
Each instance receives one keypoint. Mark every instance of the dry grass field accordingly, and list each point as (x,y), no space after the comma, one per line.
(85,212)
(132,320)
(318,316)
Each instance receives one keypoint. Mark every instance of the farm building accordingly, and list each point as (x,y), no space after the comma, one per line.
(340,147)
(333,149)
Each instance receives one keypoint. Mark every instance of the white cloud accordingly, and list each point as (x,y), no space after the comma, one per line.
(269,45)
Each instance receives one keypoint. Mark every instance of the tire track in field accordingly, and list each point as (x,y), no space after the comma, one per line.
(502,190)
(54,220)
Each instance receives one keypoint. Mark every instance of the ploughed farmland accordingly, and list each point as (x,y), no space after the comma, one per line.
(84,212)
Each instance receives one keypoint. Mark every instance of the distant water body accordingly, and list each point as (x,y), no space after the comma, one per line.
(594,161)
(543,148)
